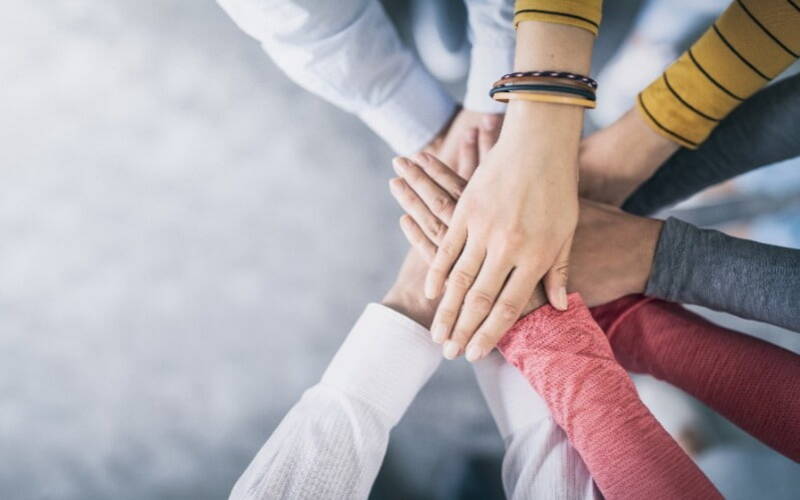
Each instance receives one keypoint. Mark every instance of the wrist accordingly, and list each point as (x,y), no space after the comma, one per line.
(646,232)
(654,148)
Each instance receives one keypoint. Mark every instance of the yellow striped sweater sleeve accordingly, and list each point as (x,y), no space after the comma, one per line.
(751,43)
(584,14)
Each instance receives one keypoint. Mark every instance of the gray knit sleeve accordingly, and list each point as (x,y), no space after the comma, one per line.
(711,269)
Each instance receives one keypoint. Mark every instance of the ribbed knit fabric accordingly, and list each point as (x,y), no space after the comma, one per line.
(754,384)
(567,358)
(584,14)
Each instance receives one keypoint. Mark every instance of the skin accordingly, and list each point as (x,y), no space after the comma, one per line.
(514,224)
(465,125)
(619,158)
(612,255)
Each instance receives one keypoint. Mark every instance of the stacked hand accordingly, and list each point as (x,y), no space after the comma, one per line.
(611,255)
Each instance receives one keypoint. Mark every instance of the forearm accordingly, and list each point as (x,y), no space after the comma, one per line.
(758,133)
(539,461)
(567,358)
(709,268)
(332,443)
(751,382)
(349,53)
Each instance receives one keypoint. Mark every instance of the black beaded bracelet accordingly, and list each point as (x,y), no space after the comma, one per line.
(554,74)
(544,88)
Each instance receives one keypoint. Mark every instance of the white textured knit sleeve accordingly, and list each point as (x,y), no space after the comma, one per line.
(332,442)
(491,33)
(348,52)
(539,462)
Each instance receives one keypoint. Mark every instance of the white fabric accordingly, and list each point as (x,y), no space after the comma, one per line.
(348,52)
(332,442)
(491,33)
(539,462)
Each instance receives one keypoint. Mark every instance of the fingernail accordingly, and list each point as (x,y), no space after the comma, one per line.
(439,333)
(562,299)
(450,350)
(399,164)
(474,353)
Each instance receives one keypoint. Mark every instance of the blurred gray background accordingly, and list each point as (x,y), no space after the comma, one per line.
(186,239)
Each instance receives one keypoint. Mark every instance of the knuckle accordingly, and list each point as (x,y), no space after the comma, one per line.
(508,311)
(480,301)
(442,204)
(446,316)
(461,279)
(438,230)
(449,250)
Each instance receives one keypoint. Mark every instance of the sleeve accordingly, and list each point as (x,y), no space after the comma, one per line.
(539,462)
(568,360)
(742,277)
(760,132)
(755,384)
(492,36)
(585,14)
(332,442)
(349,53)
(751,43)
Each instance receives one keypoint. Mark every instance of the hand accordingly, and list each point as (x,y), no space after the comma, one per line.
(466,128)
(611,256)
(406,295)
(619,158)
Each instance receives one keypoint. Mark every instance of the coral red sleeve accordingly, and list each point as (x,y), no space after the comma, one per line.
(568,360)
(755,384)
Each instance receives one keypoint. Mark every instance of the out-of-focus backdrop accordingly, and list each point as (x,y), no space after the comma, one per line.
(187,237)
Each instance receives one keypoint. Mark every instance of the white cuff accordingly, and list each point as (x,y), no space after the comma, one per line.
(487,65)
(514,404)
(385,361)
(412,116)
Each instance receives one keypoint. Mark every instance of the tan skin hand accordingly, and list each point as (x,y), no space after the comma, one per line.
(611,256)
(617,159)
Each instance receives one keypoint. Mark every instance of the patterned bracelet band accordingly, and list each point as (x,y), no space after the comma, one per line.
(547,98)
(555,74)
(558,89)
(545,80)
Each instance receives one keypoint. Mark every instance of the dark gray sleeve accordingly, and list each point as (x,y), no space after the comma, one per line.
(762,131)
(711,269)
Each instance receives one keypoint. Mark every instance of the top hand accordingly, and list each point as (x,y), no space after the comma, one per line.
(611,257)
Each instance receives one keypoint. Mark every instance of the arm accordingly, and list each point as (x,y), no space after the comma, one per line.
(539,461)
(749,45)
(709,268)
(348,52)
(758,133)
(568,360)
(332,442)
(751,382)
(520,209)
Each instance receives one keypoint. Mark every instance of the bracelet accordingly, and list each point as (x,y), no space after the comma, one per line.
(555,99)
(554,74)
(563,89)
(547,80)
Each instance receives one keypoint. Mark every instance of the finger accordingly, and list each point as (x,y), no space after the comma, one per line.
(478,302)
(506,311)
(555,280)
(417,238)
(441,174)
(458,282)
(436,198)
(489,132)
(433,228)
(446,255)
(468,154)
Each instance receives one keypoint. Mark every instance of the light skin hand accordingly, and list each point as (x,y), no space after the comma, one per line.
(616,160)
(611,257)
(514,223)
(465,125)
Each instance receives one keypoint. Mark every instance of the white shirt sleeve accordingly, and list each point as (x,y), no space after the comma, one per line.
(332,442)
(348,52)
(491,32)
(539,462)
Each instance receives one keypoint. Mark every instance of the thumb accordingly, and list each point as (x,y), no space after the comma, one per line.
(555,281)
